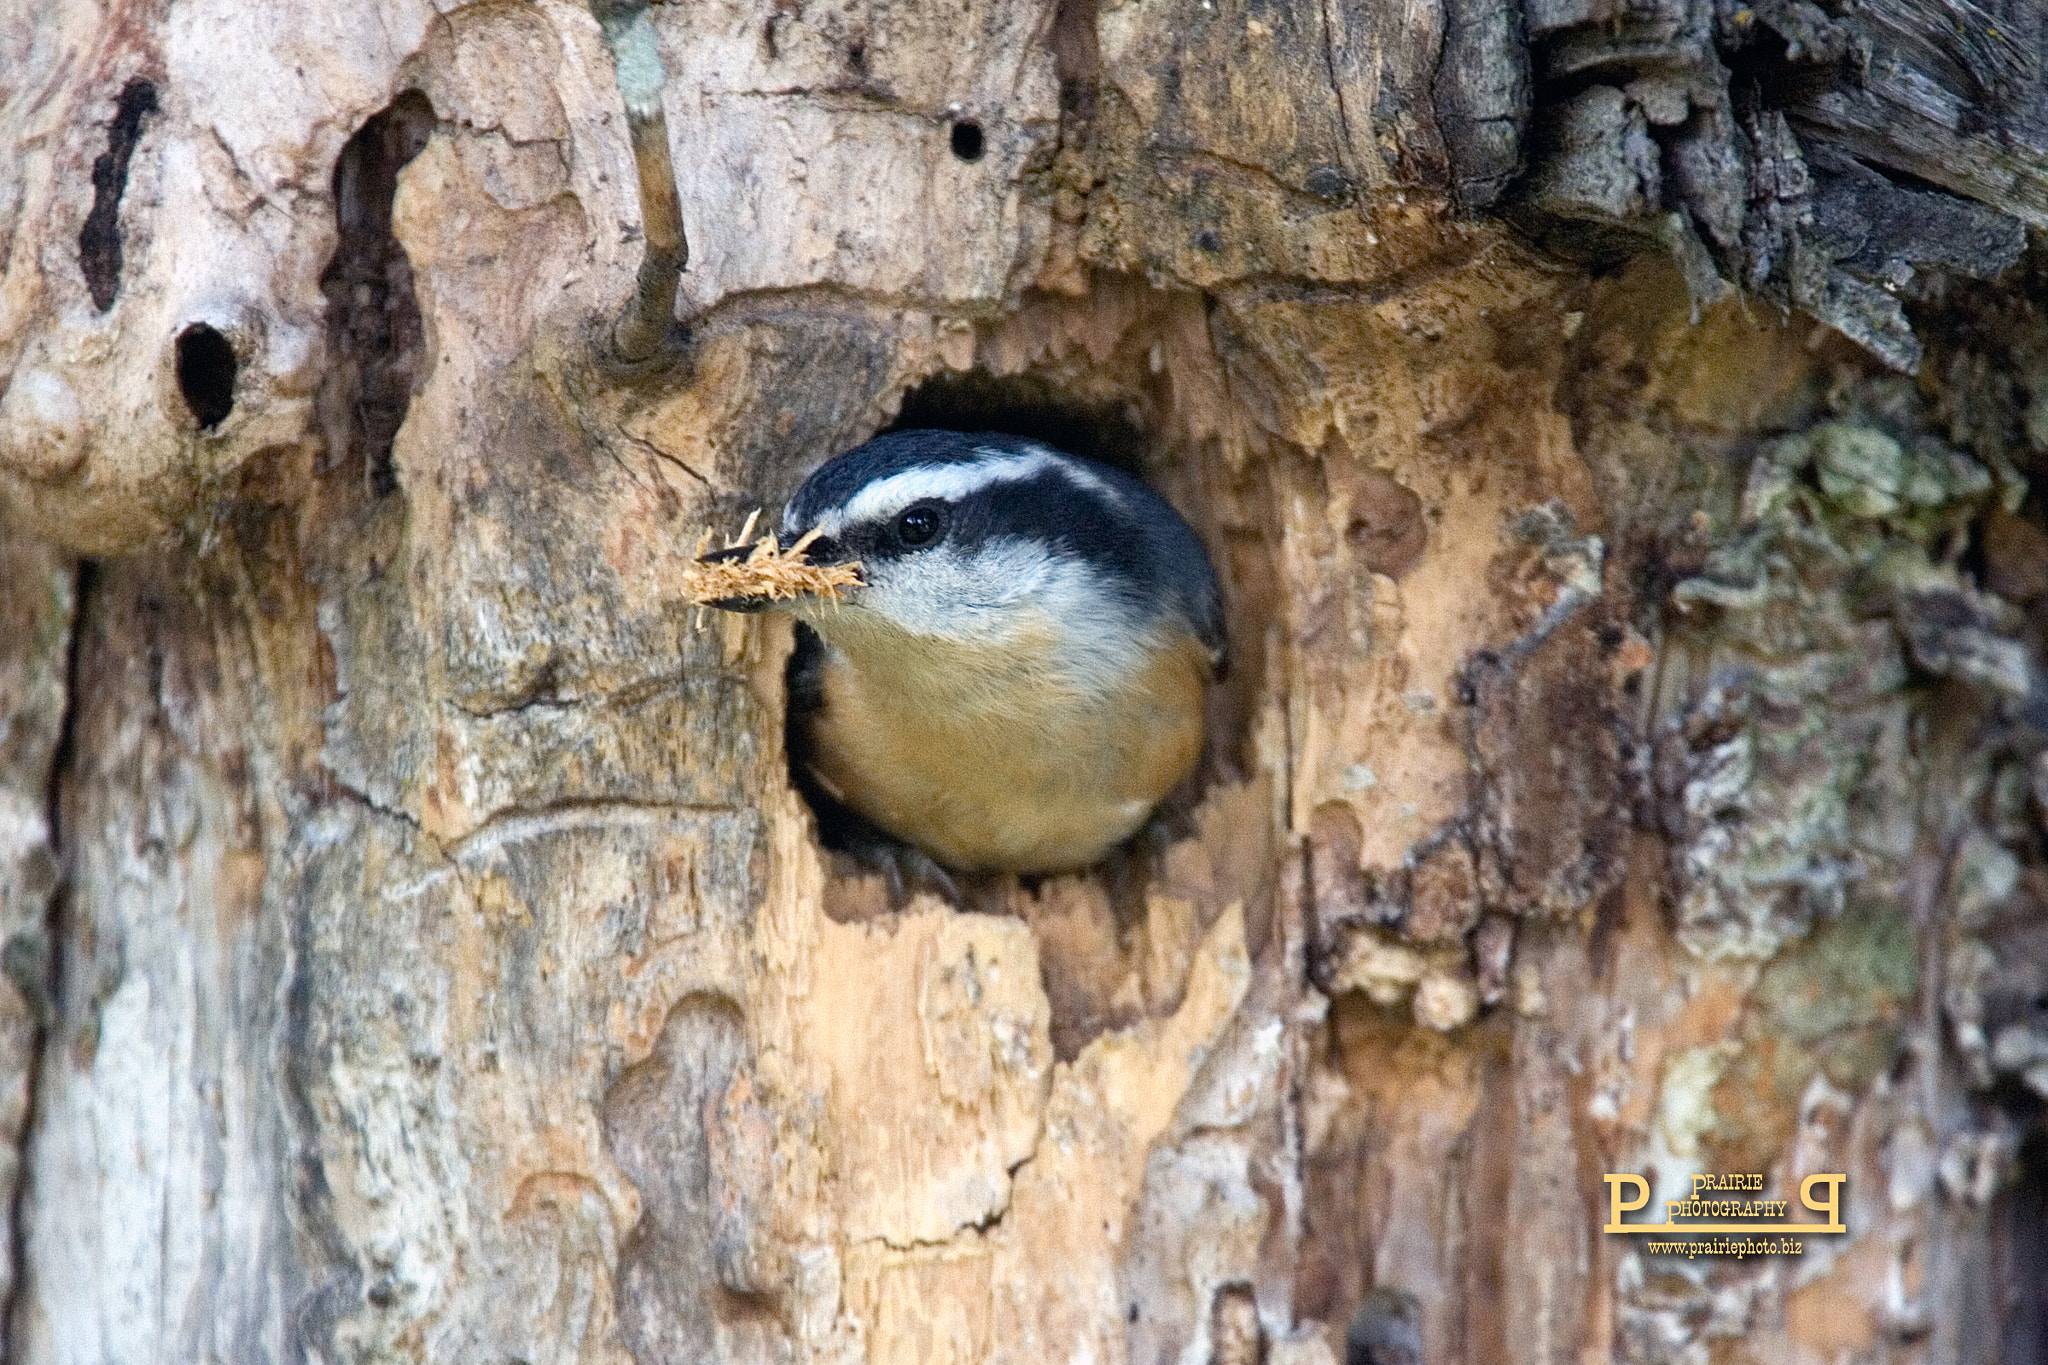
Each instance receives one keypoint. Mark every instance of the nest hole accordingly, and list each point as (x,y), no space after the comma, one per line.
(1095,928)
(967,140)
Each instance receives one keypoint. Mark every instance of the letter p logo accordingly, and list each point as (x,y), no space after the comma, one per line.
(1617,1206)
(1829,1203)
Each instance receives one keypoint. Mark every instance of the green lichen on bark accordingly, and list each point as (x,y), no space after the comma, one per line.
(1829,618)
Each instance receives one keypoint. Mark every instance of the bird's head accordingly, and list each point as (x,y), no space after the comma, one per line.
(989,542)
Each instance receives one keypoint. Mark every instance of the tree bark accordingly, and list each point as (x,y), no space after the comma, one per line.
(1613,427)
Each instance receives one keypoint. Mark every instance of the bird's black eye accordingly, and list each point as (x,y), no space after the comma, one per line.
(920,525)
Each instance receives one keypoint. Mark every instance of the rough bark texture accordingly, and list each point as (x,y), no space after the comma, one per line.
(1631,759)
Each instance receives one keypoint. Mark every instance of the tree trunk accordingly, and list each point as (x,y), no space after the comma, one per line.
(1612,426)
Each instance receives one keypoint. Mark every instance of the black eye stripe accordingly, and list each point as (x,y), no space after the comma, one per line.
(1070,507)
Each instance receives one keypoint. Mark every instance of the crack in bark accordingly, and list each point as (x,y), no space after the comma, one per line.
(99,241)
(371,803)
(86,580)
(310,1202)
(1208,161)
(538,696)
(1337,90)
(660,454)
(533,702)
(43,999)
(1255,289)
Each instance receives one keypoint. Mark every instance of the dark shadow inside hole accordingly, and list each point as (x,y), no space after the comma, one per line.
(1025,405)
(2019,1238)
(373,317)
(967,141)
(206,374)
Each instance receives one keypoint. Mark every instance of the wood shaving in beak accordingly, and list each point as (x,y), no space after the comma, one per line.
(768,572)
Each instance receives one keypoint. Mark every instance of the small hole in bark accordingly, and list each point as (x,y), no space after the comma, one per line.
(967,141)
(206,374)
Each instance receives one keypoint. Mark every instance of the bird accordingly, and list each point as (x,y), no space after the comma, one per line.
(1020,675)
(1386,1330)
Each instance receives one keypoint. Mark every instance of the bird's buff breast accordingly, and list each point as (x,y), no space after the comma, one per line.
(987,766)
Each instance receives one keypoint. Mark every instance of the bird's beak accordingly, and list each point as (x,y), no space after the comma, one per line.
(781,574)
(821,552)
(733,554)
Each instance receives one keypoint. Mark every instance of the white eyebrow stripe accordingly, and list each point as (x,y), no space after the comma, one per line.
(944,482)
(884,498)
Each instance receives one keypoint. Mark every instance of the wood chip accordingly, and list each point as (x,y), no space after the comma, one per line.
(768,572)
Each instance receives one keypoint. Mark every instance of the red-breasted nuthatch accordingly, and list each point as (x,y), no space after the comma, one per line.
(1019,678)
